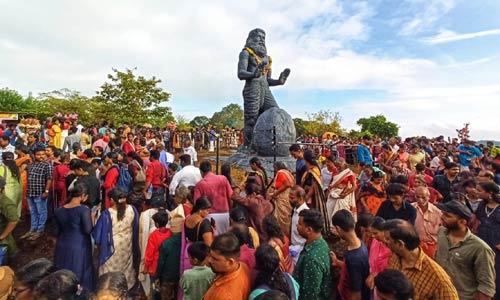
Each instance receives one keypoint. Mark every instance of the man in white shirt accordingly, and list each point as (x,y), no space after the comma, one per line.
(188,176)
(393,144)
(297,197)
(5,146)
(188,149)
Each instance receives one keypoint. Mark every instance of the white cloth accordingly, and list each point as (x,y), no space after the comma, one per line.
(221,221)
(394,148)
(326,177)
(334,203)
(297,242)
(211,146)
(191,152)
(170,157)
(434,162)
(187,176)
(8,148)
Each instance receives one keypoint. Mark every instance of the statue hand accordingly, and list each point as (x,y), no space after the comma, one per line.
(284,75)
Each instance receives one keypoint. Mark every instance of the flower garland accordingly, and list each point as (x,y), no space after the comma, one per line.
(259,61)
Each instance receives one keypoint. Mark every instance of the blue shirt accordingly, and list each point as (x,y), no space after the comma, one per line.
(364,155)
(465,159)
(300,169)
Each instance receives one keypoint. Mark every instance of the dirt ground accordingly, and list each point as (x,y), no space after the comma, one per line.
(44,246)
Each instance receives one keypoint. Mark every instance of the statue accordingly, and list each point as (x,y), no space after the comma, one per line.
(254,66)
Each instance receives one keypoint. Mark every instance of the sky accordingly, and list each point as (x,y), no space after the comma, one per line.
(428,65)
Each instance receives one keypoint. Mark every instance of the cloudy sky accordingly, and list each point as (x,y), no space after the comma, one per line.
(428,65)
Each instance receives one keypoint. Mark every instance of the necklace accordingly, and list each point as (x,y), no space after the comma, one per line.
(488,214)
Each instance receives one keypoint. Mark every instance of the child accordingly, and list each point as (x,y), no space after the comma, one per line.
(167,271)
(154,241)
(196,281)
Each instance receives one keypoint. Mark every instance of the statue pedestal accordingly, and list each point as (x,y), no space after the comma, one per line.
(262,140)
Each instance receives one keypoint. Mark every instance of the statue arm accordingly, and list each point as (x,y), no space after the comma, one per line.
(243,73)
(281,80)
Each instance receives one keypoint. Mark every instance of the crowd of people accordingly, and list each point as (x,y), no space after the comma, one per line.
(417,219)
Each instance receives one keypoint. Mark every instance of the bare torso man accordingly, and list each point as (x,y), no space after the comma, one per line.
(254,66)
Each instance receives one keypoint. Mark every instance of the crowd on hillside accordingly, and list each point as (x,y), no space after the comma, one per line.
(418,217)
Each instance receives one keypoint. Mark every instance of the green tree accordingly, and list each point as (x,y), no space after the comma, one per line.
(378,125)
(182,123)
(199,121)
(230,116)
(324,121)
(300,126)
(66,102)
(12,101)
(131,98)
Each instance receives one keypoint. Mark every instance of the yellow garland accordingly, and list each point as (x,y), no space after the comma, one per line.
(259,60)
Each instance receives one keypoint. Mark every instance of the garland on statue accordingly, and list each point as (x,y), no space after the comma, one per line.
(259,61)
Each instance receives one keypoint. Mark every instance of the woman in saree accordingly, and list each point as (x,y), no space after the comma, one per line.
(311,183)
(259,173)
(117,235)
(10,171)
(280,242)
(283,182)
(386,159)
(372,194)
(56,140)
(341,191)
(22,161)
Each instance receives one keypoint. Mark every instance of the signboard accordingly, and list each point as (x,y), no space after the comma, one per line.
(9,116)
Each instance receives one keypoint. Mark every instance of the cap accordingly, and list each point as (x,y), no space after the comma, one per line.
(456,208)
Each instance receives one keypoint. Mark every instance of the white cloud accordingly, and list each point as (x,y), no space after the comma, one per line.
(447,36)
(425,14)
(194,48)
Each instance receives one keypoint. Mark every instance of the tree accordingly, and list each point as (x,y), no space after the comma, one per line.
(300,126)
(133,99)
(230,116)
(324,121)
(65,101)
(182,123)
(199,121)
(378,125)
(12,101)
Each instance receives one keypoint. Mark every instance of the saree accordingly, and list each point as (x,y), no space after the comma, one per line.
(146,227)
(373,195)
(343,181)
(13,187)
(283,250)
(22,162)
(282,208)
(312,180)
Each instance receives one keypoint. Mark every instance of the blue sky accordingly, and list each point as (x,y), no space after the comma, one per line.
(428,65)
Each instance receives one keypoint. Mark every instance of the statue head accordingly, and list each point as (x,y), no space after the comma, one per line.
(257,41)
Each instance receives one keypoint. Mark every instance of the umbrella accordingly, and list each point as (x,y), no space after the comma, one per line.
(327,133)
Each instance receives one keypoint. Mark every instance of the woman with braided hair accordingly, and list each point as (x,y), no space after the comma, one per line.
(270,277)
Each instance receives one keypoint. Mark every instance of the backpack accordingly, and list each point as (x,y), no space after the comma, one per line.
(125,181)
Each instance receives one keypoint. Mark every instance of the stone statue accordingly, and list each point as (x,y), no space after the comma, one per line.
(254,66)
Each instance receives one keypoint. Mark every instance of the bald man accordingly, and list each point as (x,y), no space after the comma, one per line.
(427,222)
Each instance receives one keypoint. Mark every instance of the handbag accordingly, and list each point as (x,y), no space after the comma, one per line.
(141,175)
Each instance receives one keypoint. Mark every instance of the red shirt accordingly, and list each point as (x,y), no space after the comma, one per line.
(155,173)
(153,248)
(128,147)
(217,189)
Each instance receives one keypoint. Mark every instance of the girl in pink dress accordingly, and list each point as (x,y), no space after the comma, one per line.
(379,253)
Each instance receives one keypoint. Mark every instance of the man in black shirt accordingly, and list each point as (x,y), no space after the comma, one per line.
(443,183)
(395,207)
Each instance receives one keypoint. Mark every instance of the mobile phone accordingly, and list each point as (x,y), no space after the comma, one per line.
(212,221)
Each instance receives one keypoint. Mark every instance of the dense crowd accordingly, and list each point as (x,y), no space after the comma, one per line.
(136,212)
